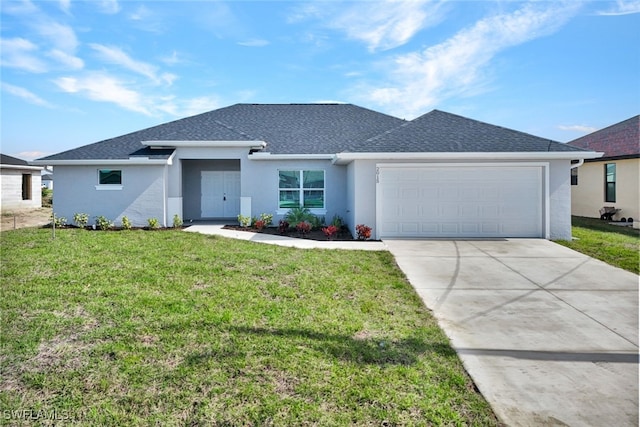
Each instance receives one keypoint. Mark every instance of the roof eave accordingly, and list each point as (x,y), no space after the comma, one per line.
(214,144)
(269,156)
(138,161)
(23,167)
(345,158)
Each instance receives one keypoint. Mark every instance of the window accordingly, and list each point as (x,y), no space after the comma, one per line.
(610,182)
(110,177)
(301,189)
(574,176)
(26,186)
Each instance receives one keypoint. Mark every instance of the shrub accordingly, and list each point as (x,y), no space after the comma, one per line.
(177,222)
(330,231)
(81,219)
(126,223)
(259,224)
(364,232)
(298,215)
(245,221)
(153,223)
(337,222)
(303,227)
(267,218)
(283,226)
(58,221)
(103,223)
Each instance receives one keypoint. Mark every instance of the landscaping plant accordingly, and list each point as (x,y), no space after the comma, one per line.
(126,223)
(303,228)
(245,221)
(177,222)
(103,223)
(81,219)
(330,231)
(364,232)
(153,223)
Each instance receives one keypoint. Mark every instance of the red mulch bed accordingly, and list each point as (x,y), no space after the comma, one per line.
(343,235)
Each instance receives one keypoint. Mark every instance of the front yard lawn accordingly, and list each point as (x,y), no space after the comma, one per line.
(613,244)
(174,328)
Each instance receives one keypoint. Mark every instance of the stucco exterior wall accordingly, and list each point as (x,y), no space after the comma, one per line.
(143,194)
(260,182)
(588,196)
(11,189)
(559,200)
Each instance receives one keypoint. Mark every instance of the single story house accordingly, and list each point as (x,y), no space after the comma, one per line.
(19,184)
(612,180)
(47,179)
(440,175)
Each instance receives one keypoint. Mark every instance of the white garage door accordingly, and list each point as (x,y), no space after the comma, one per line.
(460,201)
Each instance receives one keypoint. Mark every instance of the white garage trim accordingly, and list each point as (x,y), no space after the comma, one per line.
(535,175)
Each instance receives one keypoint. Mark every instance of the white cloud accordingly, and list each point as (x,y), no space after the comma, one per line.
(117,56)
(254,43)
(61,36)
(65,5)
(31,155)
(577,128)
(104,88)
(25,94)
(387,24)
(622,8)
(458,66)
(69,61)
(19,53)
(188,107)
(110,7)
(172,59)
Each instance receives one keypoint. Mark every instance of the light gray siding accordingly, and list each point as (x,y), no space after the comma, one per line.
(260,182)
(142,195)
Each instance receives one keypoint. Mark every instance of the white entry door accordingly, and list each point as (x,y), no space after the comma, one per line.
(460,201)
(220,194)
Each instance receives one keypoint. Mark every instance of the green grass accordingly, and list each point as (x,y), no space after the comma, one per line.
(174,328)
(615,245)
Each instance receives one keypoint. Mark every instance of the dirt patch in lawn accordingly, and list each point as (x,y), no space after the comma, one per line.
(25,218)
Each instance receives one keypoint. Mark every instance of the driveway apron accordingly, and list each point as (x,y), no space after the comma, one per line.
(549,335)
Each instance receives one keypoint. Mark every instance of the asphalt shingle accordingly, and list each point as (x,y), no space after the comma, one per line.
(441,132)
(320,129)
(619,140)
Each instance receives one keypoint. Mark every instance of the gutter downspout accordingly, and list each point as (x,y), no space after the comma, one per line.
(577,165)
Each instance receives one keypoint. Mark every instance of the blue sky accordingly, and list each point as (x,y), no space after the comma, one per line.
(77,72)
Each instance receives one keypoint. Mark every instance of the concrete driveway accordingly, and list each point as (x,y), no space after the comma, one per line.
(550,336)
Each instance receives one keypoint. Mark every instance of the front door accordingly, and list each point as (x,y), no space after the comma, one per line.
(220,194)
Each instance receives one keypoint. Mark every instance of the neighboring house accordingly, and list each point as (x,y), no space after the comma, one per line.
(47,179)
(440,175)
(19,184)
(613,179)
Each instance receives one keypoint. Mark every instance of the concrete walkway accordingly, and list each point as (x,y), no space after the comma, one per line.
(218,230)
(549,335)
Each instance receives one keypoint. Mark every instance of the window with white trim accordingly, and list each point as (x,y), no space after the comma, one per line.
(109,177)
(301,188)
(610,182)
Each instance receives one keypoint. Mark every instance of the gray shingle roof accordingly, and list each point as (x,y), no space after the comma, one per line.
(319,129)
(286,128)
(439,132)
(9,160)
